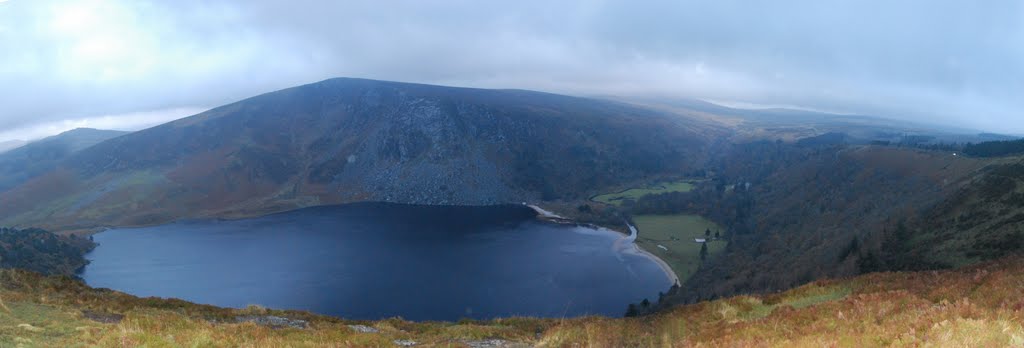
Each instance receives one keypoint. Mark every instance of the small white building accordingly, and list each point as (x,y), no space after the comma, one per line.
(700,240)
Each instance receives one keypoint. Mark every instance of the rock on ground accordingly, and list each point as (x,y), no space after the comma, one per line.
(30,328)
(102,317)
(494,343)
(274,321)
(363,329)
(405,343)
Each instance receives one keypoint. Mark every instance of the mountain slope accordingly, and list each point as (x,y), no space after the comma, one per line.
(811,216)
(25,162)
(345,140)
(795,213)
(982,221)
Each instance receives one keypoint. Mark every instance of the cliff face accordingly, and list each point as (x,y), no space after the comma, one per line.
(346,140)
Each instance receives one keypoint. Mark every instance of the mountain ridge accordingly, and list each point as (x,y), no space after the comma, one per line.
(347,140)
(21,164)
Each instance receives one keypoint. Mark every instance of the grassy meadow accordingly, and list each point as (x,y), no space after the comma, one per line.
(635,193)
(977,306)
(676,233)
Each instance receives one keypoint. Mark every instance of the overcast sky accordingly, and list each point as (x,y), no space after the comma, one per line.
(128,64)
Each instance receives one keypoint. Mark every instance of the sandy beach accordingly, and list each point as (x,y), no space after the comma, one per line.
(626,244)
(631,239)
(664,266)
(544,213)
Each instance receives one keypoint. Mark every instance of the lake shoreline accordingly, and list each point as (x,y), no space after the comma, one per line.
(545,215)
(548,216)
(669,272)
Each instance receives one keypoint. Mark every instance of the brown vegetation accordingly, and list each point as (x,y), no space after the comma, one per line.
(975,306)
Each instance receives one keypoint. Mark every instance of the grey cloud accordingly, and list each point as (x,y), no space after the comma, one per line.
(951,62)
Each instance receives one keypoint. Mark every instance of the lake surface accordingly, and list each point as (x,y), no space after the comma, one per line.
(375,260)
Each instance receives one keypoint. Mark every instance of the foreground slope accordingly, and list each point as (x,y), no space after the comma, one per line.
(347,140)
(978,306)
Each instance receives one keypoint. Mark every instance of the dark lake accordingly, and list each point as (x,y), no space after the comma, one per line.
(375,260)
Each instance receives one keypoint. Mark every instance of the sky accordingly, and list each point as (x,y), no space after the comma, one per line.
(131,64)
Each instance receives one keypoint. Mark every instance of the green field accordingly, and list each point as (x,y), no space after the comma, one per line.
(676,233)
(636,193)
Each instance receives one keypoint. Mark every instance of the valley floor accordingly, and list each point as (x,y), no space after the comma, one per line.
(672,239)
(978,306)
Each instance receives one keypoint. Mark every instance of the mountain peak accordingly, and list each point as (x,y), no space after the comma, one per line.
(345,140)
(87,130)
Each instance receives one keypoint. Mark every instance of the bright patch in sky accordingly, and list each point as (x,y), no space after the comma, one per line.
(98,41)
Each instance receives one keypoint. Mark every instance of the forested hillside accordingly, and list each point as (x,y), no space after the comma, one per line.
(995,148)
(41,251)
(982,221)
(795,213)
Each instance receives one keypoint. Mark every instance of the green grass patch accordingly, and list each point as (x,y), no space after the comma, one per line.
(636,193)
(35,325)
(747,308)
(677,233)
(757,311)
(817,295)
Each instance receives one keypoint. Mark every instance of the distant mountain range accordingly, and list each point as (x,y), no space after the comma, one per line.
(27,161)
(346,140)
(791,124)
(11,144)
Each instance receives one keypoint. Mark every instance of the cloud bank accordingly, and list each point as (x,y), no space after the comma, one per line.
(76,62)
